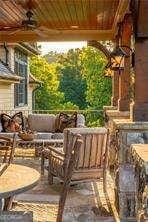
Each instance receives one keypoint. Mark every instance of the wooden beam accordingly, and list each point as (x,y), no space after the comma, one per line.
(63,35)
(100,47)
(124,78)
(123,8)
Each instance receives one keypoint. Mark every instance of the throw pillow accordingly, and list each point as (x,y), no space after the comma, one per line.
(13,123)
(64,120)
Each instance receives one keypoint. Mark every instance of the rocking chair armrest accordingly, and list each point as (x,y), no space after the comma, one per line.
(57,157)
(55,151)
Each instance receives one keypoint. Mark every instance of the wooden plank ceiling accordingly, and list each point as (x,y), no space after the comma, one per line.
(61,19)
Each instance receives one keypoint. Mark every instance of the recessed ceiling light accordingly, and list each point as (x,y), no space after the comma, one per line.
(74,26)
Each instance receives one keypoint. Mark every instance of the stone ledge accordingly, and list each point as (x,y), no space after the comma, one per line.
(105,108)
(127,124)
(117,113)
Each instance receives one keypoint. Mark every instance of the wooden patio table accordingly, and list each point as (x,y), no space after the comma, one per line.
(16,179)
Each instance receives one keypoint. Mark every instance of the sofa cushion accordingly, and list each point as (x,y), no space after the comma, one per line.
(80,120)
(42,122)
(13,123)
(63,120)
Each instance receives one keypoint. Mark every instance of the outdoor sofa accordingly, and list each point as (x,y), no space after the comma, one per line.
(44,126)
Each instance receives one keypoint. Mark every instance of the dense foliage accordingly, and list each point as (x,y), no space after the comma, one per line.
(73,80)
(98,90)
(72,84)
(48,96)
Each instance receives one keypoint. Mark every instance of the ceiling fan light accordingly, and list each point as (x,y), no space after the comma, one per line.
(74,26)
(32,24)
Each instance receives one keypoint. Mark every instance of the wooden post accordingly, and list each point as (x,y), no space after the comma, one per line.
(115,78)
(115,89)
(124,78)
(139,110)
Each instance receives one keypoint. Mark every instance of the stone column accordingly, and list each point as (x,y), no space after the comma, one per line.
(124,78)
(139,110)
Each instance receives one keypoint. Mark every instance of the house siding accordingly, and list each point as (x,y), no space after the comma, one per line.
(7,97)
(7,87)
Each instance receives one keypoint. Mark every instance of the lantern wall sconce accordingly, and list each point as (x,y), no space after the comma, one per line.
(117,61)
(108,72)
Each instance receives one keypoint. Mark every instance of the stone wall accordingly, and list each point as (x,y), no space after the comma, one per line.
(127,133)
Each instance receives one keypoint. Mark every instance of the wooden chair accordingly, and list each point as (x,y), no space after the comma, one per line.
(7,148)
(78,161)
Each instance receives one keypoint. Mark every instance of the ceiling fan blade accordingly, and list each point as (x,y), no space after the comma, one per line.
(15,31)
(8,29)
(48,30)
(40,33)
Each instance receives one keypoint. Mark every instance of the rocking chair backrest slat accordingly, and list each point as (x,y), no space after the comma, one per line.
(92,150)
(7,148)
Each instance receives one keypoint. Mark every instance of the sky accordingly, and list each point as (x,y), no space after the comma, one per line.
(60,46)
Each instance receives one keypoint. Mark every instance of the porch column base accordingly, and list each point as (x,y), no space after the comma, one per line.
(115,114)
(110,116)
(105,108)
(123,104)
(139,112)
(114,101)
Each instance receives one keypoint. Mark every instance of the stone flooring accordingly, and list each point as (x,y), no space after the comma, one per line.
(86,202)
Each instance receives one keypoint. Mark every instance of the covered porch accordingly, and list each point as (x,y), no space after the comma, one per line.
(123,22)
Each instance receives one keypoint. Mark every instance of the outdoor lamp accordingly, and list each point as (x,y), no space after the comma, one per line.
(117,59)
(108,72)
(118,56)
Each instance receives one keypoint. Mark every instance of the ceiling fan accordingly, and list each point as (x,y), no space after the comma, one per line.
(30,24)
(27,4)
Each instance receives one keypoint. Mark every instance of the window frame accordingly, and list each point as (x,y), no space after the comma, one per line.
(21,69)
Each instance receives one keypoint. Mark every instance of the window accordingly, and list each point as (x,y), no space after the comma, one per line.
(20,89)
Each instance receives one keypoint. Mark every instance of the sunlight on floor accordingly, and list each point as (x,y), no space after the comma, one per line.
(86,202)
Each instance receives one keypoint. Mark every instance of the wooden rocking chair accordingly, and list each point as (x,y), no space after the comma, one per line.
(7,148)
(79,161)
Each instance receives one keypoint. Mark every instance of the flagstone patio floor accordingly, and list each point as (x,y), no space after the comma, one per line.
(86,202)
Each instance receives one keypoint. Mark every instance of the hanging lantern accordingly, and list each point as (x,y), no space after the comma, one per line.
(108,72)
(117,59)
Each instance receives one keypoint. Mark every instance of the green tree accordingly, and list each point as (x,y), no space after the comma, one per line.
(47,96)
(98,91)
(72,84)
